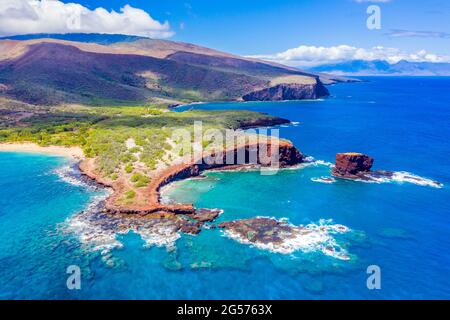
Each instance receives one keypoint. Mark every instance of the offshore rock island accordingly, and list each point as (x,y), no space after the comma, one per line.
(280,236)
(352,165)
(357,166)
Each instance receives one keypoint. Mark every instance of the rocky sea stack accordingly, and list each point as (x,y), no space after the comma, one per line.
(357,166)
(352,165)
(289,92)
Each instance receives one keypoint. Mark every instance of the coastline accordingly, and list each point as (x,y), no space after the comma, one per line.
(174,107)
(289,156)
(150,195)
(70,152)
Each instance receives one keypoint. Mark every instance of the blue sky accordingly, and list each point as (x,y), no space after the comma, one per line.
(417,29)
(265,26)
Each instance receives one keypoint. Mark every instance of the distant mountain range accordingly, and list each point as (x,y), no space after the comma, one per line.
(99,69)
(381,67)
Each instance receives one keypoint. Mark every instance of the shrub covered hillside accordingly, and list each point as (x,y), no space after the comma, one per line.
(128,143)
(44,71)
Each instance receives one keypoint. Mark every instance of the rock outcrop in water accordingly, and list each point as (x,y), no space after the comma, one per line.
(352,165)
(289,92)
(264,230)
(262,122)
(357,166)
(282,237)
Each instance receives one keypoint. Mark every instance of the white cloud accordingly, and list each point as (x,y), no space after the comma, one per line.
(400,33)
(54,16)
(309,56)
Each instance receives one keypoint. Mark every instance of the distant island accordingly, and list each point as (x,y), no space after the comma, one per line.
(384,68)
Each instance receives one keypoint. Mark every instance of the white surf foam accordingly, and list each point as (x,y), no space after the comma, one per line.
(97,231)
(163,235)
(328,180)
(311,161)
(309,238)
(70,175)
(402,177)
(93,236)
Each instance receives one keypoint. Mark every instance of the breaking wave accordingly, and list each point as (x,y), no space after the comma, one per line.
(310,238)
(311,161)
(374,177)
(71,174)
(327,180)
(92,234)
(402,177)
(98,231)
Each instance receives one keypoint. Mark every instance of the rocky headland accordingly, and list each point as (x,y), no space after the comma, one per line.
(184,217)
(289,155)
(289,91)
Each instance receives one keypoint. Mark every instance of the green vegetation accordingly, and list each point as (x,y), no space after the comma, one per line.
(102,132)
(130,194)
(139,180)
(129,168)
(128,143)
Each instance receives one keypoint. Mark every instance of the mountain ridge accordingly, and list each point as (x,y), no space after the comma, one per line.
(382,67)
(55,71)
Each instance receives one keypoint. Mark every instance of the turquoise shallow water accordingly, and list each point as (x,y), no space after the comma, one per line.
(402,227)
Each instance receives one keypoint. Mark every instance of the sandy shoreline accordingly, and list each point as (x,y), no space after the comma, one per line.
(72,152)
(150,195)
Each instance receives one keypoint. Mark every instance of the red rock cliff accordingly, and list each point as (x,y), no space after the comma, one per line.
(351,164)
(288,156)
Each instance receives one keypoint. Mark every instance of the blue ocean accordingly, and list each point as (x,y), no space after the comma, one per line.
(401,225)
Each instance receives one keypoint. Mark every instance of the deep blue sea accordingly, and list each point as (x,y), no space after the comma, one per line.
(402,227)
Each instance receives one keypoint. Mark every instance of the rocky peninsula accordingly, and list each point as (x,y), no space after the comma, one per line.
(289,155)
(289,91)
(186,217)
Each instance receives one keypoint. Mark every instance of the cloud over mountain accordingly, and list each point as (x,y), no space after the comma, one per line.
(400,33)
(308,56)
(54,16)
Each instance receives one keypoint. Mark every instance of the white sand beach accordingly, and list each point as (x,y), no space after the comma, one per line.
(73,152)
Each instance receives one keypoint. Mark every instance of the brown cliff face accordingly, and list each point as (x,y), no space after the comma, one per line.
(289,155)
(351,165)
(289,92)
